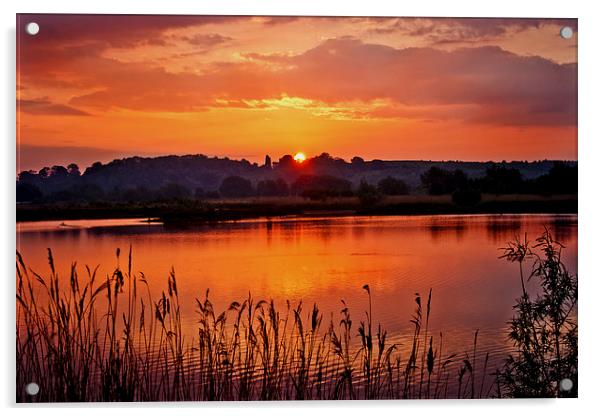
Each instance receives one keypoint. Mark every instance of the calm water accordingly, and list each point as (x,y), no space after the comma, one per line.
(324,260)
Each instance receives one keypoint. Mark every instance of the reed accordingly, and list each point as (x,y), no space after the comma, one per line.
(90,338)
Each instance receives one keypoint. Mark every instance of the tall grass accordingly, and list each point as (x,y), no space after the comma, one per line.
(107,339)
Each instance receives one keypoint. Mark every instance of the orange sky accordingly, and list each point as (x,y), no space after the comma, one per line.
(100,87)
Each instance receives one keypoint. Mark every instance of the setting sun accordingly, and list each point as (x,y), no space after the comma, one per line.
(299,157)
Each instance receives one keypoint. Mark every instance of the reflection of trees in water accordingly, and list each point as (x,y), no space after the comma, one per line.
(268,231)
(358,231)
(439,229)
(498,228)
(501,229)
(294,230)
(564,229)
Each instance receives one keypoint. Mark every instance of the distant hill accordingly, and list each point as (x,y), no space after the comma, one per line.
(200,173)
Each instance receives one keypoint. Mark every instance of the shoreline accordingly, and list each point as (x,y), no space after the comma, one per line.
(191,211)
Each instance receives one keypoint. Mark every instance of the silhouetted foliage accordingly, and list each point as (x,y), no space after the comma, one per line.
(562,179)
(149,176)
(439,181)
(135,194)
(316,186)
(466,197)
(268,162)
(73,169)
(95,167)
(270,187)
(236,187)
(90,192)
(255,351)
(393,186)
(27,192)
(44,172)
(368,194)
(173,190)
(502,180)
(286,162)
(356,160)
(28,176)
(544,327)
(59,171)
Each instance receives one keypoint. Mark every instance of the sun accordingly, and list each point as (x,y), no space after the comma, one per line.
(299,157)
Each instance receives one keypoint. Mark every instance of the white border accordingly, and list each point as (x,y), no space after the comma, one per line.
(590,134)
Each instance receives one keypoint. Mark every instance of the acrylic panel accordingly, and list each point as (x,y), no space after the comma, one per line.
(295,208)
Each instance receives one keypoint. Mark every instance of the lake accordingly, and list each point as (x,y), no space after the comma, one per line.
(323,260)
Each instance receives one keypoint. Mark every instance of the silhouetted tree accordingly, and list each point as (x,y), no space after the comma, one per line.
(200,171)
(94,168)
(174,190)
(368,194)
(236,187)
(268,162)
(91,192)
(59,171)
(27,192)
(73,170)
(28,176)
(44,172)
(321,186)
(393,186)
(133,194)
(502,180)
(561,179)
(439,181)
(271,187)
(286,162)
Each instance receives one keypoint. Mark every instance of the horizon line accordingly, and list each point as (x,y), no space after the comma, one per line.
(309,158)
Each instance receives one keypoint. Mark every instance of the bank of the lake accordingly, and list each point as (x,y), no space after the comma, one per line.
(233,209)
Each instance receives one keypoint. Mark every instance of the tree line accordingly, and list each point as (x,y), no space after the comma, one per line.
(68,184)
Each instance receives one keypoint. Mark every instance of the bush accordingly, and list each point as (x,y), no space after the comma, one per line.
(544,327)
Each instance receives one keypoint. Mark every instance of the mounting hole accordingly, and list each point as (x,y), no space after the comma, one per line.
(32,28)
(566,32)
(566,384)
(32,389)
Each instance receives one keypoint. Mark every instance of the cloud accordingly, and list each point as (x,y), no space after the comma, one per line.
(206,40)
(345,75)
(522,89)
(493,85)
(463,30)
(45,107)
(279,20)
(113,30)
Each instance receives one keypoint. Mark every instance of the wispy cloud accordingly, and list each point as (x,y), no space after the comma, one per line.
(45,107)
